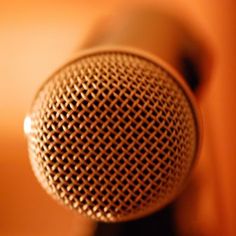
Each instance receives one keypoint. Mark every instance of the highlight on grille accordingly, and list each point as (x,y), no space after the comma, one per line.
(113,135)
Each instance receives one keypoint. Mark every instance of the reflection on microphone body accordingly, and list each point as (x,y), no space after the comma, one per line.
(114,133)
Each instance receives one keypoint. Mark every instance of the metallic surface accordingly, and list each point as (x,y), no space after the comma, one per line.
(113,134)
(36,37)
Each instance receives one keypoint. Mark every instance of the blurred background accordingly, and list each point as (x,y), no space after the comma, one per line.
(36,37)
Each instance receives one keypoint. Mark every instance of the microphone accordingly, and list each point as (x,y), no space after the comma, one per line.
(114,133)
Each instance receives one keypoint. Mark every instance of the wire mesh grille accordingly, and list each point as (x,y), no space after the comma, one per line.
(113,135)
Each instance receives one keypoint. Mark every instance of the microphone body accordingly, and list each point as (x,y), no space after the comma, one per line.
(159,34)
(114,133)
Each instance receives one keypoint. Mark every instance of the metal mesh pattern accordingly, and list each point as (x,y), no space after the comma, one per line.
(113,135)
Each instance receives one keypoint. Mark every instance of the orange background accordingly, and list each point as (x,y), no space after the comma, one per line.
(36,37)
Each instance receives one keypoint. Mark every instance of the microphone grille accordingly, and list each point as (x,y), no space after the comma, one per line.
(113,135)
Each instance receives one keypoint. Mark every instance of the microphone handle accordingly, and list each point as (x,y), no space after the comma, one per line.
(160,223)
(157,33)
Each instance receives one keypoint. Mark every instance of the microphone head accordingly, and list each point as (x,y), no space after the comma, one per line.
(113,134)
